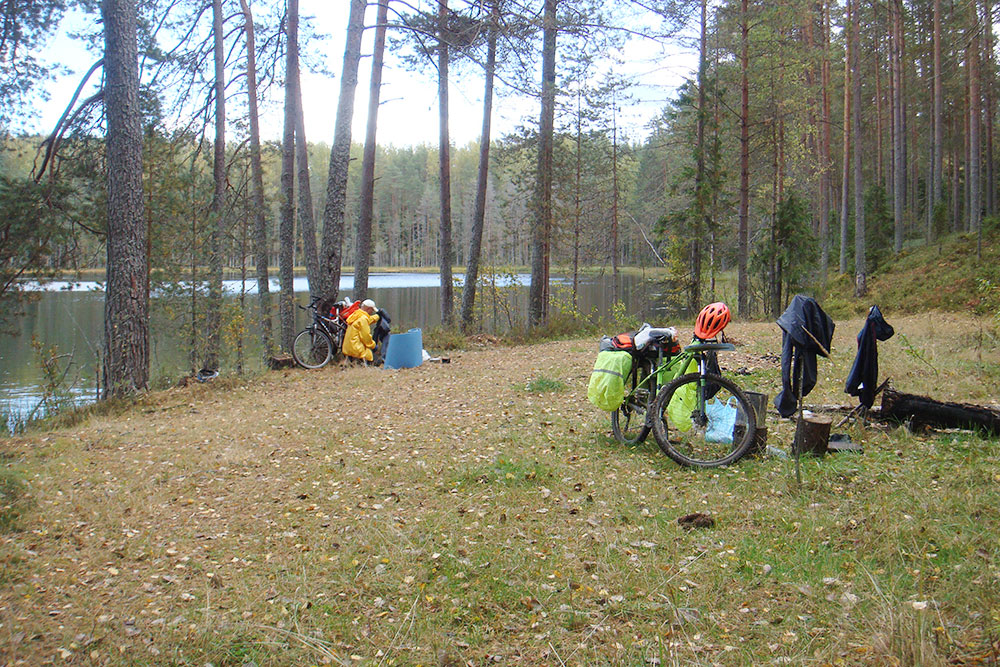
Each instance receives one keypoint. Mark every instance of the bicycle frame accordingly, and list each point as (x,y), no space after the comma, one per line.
(327,325)
(674,367)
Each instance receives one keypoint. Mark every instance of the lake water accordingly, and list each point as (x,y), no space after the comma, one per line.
(70,317)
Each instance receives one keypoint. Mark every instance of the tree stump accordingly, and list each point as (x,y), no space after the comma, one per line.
(280,361)
(812,435)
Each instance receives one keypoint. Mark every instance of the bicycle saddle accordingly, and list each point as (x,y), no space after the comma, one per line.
(708,346)
(647,334)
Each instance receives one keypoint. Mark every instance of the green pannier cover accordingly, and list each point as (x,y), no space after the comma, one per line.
(683,402)
(607,381)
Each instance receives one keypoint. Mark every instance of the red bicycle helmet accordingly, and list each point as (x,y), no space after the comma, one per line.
(712,319)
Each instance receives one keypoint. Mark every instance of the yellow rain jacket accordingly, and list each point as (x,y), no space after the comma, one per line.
(358,341)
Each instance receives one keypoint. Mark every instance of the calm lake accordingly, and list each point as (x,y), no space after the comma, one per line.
(70,317)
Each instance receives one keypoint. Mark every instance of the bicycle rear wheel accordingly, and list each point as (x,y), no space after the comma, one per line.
(628,422)
(696,427)
(312,348)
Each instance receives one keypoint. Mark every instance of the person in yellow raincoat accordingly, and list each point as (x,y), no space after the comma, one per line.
(358,342)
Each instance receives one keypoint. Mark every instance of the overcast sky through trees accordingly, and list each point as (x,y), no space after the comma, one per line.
(408,113)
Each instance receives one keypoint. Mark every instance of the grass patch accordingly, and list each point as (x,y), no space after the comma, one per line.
(942,276)
(544,385)
(13,500)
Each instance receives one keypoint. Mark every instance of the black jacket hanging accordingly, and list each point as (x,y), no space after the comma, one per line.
(799,350)
(863,378)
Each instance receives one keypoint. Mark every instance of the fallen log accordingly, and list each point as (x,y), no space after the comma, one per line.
(924,411)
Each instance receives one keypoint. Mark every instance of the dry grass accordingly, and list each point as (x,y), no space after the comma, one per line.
(477,513)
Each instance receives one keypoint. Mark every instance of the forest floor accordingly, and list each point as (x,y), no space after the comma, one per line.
(478,513)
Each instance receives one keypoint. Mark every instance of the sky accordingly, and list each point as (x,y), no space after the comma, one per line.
(408,113)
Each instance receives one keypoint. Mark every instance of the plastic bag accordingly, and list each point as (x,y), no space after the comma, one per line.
(721,420)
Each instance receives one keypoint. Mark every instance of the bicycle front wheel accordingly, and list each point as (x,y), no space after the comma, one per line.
(703,421)
(628,422)
(312,348)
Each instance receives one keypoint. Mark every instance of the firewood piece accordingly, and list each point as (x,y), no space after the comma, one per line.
(812,435)
(924,411)
(759,401)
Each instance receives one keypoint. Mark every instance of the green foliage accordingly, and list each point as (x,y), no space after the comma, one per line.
(787,256)
(27,27)
(55,367)
(33,220)
(797,249)
(443,338)
(879,226)
(671,232)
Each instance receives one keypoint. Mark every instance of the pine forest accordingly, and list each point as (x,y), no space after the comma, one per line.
(808,141)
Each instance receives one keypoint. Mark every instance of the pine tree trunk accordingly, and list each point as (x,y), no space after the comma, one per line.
(860,265)
(700,186)
(846,171)
(126,301)
(538,291)
(774,273)
(577,195)
(482,178)
(307,218)
(898,128)
(743,242)
(257,190)
(825,185)
(879,130)
(286,227)
(975,118)
(988,86)
(956,200)
(363,245)
(218,208)
(340,154)
(937,161)
(444,164)
(615,296)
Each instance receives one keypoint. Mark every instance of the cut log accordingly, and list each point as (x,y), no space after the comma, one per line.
(759,402)
(758,447)
(924,411)
(280,361)
(812,435)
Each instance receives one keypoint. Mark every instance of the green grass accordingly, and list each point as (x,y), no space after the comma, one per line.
(544,385)
(942,276)
(14,500)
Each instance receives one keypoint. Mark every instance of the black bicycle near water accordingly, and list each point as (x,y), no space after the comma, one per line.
(320,341)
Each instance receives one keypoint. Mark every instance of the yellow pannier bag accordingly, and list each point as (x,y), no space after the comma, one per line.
(607,381)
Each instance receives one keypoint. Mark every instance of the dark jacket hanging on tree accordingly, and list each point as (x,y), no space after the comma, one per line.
(863,378)
(799,350)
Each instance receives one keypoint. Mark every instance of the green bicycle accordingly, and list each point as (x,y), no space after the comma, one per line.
(698,417)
